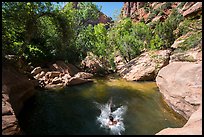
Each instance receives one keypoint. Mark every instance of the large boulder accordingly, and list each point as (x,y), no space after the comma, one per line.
(181,86)
(62,67)
(93,64)
(146,66)
(83,75)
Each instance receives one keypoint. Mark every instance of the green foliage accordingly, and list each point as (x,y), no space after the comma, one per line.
(38,24)
(189,25)
(165,29)
(142,32)
(192,41)
(167,5)
(41,32)
(100,33)
(86,11)
(85,40)
(129,38)
(156,43)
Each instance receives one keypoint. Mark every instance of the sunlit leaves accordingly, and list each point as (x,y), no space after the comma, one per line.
(37,24)
(87,11)
(129,38)
(101,39)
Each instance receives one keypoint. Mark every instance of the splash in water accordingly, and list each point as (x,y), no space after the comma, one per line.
(118,114)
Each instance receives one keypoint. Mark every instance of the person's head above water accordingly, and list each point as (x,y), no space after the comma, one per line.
(111,118)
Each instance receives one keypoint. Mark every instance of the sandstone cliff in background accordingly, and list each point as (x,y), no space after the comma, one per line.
(154,11)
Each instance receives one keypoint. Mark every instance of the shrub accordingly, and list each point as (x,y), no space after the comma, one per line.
(156,43)
(165,29)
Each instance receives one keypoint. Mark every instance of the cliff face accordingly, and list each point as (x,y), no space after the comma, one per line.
(16,90)
(153,11)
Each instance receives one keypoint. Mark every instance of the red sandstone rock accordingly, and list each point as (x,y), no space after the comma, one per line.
(60,66)
(193,9)
(76,81)
(187,5)
(16,90)
(181,85)
(83,75)
(133,10)
(36,71)
(146,66)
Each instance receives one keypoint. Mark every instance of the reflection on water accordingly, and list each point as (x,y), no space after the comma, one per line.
(72,111)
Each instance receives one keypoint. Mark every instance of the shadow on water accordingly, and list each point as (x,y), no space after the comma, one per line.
(72,110)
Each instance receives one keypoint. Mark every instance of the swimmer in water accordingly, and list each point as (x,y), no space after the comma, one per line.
(112,121)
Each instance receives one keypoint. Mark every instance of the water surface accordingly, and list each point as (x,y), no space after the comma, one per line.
(73,110)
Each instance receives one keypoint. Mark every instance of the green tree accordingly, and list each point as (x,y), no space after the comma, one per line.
(129,38)
(83,16)
(36,30)
(100,33)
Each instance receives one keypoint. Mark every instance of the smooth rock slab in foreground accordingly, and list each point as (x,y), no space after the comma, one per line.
(181,85)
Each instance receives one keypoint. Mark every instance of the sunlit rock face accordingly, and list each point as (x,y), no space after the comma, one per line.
(139,11)
(59,75)
(181,86)
(145,66)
